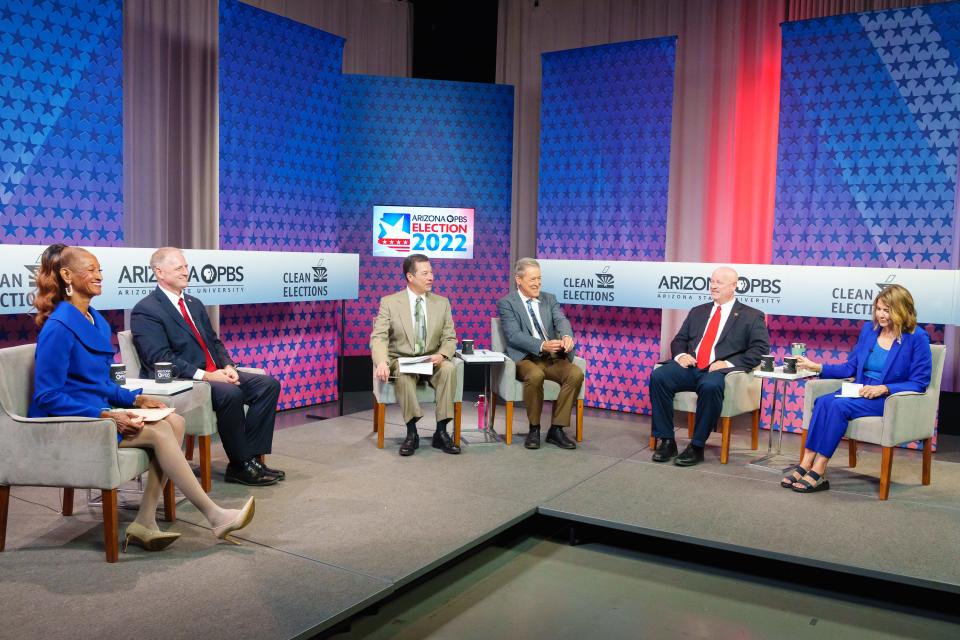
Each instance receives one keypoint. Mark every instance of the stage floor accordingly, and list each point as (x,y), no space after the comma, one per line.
(354,523)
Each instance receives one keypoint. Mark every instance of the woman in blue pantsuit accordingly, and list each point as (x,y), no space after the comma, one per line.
(892,354)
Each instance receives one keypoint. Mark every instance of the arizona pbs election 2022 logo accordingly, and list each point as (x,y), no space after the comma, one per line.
(433,231)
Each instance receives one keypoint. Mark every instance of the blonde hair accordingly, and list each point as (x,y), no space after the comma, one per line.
(902,312)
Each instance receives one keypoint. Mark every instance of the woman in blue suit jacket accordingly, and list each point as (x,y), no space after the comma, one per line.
(72,378)
(892,354)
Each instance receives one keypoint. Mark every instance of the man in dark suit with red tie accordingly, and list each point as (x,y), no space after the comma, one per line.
(716,338)
(171,326)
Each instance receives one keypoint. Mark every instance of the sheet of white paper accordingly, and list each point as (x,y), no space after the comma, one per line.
(850,390)
(420,365)
(152,415)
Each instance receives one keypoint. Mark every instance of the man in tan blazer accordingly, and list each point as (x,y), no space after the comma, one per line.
(416,322)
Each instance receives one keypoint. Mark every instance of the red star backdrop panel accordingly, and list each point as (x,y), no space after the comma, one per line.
(605,122)
(279,145)
(427,143)
(61,137)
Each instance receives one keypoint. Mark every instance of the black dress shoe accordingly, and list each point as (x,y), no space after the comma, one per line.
(691,455)
(666,449)
(533,438)
(410,444)
(442,440)
(249,474)
(555,435)
(267,471)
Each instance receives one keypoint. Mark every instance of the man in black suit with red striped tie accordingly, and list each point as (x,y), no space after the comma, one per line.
(715,339)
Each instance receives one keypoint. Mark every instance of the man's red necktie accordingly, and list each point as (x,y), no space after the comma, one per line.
(211,365)
(709,337)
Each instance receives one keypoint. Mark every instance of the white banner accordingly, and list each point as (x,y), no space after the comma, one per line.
(216,277)
(823,292)
(432,231)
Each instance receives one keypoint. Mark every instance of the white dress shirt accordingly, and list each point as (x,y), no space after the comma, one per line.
(536,311)
(175,301)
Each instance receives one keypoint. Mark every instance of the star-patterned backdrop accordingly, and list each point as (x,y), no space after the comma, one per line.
(605,120)
(867,156)
(279,144)
(61,136)
(428,143)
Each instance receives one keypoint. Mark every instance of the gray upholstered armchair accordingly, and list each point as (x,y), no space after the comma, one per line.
(506,385)
(907,416)
(60,452)
(741,394)
(194,406)
(385,393)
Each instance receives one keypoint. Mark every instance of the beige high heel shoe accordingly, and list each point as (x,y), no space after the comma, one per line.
(148,538)
(242,520)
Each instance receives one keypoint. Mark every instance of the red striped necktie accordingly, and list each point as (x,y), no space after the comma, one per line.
(709,337)
(211,365)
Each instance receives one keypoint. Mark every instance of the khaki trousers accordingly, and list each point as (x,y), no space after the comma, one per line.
(443,381)
(533,371)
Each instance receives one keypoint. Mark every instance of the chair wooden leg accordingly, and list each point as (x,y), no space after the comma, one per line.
(169,502)
(509,428)
(493,407)
(188,447)
(690,419)
(803,441)
(755,430)
(375,405)
(724,440)
(886,468)
(4,507)
(579,420)
(457,415)
(111,524)
(927,460)
(852,452)
(380,410)
(67,508)
(206,477)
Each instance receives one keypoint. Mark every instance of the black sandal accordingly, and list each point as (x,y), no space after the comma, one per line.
(787,482)
(819,483)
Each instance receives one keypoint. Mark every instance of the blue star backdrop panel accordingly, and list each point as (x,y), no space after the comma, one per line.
(605,121)
(427,143)
(61,135)
(867,154)
(279,145)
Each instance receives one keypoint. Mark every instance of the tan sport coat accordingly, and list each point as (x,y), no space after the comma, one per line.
(393,335)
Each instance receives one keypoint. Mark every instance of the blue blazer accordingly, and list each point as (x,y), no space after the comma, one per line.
(162,335)
(72,372)
(907,367)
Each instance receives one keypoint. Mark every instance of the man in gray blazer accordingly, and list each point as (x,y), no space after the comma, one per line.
(540,341)
(417,322)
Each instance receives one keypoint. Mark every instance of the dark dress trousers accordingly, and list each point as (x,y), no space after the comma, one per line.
(743,340)
(162,335)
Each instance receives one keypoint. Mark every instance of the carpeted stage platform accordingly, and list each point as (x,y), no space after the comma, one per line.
(354,523)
